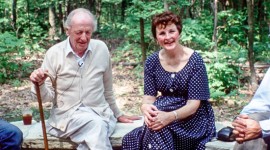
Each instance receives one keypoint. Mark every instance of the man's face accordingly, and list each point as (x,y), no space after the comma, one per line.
(80,32)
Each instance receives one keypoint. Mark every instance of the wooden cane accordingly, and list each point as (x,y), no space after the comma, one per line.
(41,110)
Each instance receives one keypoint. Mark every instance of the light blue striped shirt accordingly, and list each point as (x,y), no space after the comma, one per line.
(261,103)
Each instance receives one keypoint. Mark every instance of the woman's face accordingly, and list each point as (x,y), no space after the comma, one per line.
(168,38)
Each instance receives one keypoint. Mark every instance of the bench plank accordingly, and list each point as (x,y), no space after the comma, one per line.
(33,137)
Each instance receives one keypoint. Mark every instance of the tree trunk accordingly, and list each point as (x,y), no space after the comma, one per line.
(98,11)
(14,14)
(250,8)
(123,8)
(166,6)
(142,40)
(190,9)
(214,37)
(61,20)
(52,22)
(260,18)
(68,7)
(28,16)
(202,5)
(91,5)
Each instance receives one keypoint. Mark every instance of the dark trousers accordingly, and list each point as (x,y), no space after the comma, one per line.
(10,136)
(256,144)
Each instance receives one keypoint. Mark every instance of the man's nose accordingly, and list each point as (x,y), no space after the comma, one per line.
(83,36)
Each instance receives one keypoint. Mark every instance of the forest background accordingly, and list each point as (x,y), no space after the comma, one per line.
(233,37)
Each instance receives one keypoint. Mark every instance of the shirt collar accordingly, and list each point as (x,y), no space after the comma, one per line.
(70,50)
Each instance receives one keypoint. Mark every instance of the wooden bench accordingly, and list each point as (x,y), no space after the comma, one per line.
(33,137)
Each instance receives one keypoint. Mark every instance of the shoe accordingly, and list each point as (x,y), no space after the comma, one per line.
(226,134)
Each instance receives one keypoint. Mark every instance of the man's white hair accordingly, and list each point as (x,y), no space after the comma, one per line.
(67,23)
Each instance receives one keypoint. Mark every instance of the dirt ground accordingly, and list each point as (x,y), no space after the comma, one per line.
(128,92)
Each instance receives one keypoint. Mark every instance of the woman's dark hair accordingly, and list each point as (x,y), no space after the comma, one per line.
(166,18)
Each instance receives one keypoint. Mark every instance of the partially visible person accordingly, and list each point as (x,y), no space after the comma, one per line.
(180,117)
(84,107)
(11,137)
(252,126)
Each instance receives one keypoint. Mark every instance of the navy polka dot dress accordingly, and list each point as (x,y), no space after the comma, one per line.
(176,88)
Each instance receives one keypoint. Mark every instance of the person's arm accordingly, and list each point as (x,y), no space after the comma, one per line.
(259,103)
(108,90)
(246,129)
(149,110)
(162,118)
(265,125)
(45,85)
(198,91)
(109,95)
(261,99)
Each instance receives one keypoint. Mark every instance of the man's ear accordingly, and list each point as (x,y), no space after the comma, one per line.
(67,31)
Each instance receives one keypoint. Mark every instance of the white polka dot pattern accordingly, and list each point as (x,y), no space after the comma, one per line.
(176,88)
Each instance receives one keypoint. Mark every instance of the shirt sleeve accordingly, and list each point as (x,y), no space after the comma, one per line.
(261,99)
(108,92)
(46,90)
(265,125)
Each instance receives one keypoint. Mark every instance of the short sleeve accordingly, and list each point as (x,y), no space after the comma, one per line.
(149,77)
(198,87)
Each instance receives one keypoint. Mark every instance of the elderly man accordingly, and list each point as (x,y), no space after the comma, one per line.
(252,126)
(11,137)
(84,106)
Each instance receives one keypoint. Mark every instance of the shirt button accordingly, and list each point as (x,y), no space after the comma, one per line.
(149,146)
(173,75)
(171,90)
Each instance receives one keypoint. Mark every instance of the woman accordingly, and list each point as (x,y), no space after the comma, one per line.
(180,117)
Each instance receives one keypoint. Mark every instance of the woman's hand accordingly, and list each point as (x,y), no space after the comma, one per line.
(161,120)
(150,112)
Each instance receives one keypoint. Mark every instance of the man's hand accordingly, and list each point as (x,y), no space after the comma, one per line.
(246,129)
(38,76)
(128,119)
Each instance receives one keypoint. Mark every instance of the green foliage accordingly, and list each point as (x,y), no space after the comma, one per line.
(222,75)
(36,114)
(14,115)
(144,10)
(121,28)
(127,53)
(195,34)
(16,83)
(11,50)
(112,1)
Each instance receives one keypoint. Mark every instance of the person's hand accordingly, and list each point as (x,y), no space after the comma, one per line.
(246,129)
(161,120)
(128,119)
(239,125)
(38,76)
(149,111)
